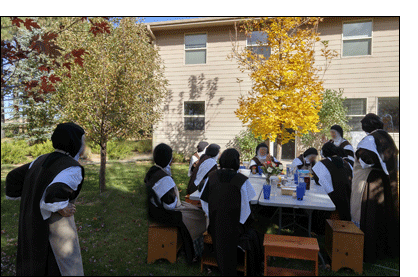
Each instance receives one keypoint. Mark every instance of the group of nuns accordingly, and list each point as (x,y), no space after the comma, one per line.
(363,185)
(225,211)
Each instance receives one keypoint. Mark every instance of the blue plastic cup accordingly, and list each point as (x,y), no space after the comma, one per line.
(260,170)
(266,191)
(300,192)
(242,167)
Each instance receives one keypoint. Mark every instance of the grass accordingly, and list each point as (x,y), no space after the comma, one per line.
(113,227)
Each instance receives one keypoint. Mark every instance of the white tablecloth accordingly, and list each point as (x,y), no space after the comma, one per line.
(315,199)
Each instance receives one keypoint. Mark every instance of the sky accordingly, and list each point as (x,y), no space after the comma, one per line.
(159,18)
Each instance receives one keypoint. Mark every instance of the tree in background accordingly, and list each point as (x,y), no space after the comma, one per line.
(35,120)
(332,112)
(286,92)
(118,91)
(42,50)
(246,143)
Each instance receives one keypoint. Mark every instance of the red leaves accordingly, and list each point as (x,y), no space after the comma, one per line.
(29,23)
(44,68)
(99,27)
(16,21)
(31,84)
(12,53)
(77,53)
(67,65)
(53,79)
(46,45)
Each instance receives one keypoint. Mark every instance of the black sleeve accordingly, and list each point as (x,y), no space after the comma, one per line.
(315,177)
(169,197)
(348,153)
(369,157)
(15,179)
(58,192)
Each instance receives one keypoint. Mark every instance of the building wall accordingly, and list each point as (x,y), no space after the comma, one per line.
(214,82)
(368,77)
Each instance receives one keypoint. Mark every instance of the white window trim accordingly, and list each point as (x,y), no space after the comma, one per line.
(196,116)
(184,47)
(356,37)
(359,115)
(377,108)
(256,45)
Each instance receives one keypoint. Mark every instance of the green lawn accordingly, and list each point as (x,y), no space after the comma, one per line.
(113,226)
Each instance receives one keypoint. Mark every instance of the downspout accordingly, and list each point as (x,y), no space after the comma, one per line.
(154,39)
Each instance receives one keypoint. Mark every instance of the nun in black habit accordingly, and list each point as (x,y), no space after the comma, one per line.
(207,163)
(262,156)
(374,197)
(335,176)
(165,206)
(47,187)
(339,141)
(225,197)
(306,160)
(201,147)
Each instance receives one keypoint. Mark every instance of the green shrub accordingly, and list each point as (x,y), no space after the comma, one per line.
(14,152)
(178,157)
(143,146)
(117,150)
(41,148)
(245,142)
(94,147)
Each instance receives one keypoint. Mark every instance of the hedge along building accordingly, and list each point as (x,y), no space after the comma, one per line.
(204,84)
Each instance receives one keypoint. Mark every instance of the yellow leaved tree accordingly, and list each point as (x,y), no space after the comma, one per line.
(286,84)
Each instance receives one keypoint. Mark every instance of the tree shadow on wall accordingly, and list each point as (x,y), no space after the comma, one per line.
(200,89)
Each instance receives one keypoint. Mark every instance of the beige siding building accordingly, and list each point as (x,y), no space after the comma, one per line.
(204,84)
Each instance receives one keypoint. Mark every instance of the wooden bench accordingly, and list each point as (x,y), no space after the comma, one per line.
(290,247)
(344,243)
(209,258)
(164,242)
(193,202)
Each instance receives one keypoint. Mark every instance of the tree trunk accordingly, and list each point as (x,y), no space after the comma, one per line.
(102,174)
(279,149)
(3,119)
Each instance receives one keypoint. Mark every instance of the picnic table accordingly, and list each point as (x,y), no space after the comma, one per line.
(315,199)
(257,181)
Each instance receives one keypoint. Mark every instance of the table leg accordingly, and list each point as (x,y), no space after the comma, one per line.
(280,220)
(309,222)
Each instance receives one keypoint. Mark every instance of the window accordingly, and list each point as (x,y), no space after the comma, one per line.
(388,110)
(357,38)
(356,111)
(195,47)
(194,115)
(257,43)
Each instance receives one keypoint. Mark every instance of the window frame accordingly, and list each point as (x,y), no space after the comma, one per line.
(194,49)
(195,116)
(377,109)
(257,45)
(357,115)
(356,38)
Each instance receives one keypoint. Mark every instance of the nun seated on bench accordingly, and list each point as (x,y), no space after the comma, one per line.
(225,197)
(165,207)
(208,162)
